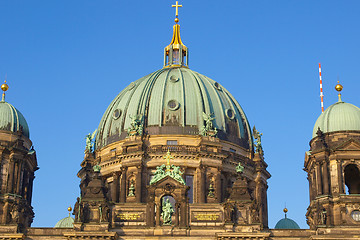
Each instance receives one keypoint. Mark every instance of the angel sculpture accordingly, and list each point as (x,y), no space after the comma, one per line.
(90,142)
(257,135)
(136,127)
(208,129)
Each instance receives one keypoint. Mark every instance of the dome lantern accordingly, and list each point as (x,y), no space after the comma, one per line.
(176,53)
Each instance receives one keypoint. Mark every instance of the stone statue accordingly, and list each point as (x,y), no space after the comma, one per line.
(105,213)
(211,190)
(77,209)
(159,174)
(136,127)
(172,171)
(323,217)
(208,129)
(90,142)
(176,174)
(167,212)
(239,168)
(131,189)
(97,168)
(257,135)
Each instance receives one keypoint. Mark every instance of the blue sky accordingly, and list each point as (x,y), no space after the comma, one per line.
(66,60)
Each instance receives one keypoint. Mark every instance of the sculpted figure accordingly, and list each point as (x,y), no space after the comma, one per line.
(90,142)
(136,127)
(177,174)
(208,129)
(167,212)
(257,135)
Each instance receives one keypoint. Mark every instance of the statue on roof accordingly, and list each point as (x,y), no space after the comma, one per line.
(208,129)
(136,126)
(257,135)
(239,168)
(90,142)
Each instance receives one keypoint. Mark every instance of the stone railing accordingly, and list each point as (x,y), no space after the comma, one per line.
(173,148)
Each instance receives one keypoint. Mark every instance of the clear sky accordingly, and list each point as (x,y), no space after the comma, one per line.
(66,60)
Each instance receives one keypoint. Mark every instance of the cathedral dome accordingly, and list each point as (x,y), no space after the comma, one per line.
(175,100)
(340,116)
(286,223)
(67,222)
(11,119)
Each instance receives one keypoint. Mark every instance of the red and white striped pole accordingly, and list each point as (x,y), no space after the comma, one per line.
(321,90)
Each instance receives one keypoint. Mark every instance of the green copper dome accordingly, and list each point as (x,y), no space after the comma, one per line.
(173,101)
(11,119)
(67,222)
(340,116)
(286,223)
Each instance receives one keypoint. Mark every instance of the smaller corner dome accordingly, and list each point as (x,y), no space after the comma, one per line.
(12,120)
(340,116)
(286,223)
(67,222)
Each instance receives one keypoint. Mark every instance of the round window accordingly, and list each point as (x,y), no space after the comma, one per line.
(355,215)
(230,113)
(174,78)
(116,113)
(173,105)
(217,86)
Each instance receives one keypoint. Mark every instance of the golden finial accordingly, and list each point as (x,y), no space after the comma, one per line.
(339,88)
(168,157)
(4,87)
(69,209)
(285,210)
(176,53)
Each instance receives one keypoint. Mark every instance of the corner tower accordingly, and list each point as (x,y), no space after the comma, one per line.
(18,164)
(333,167)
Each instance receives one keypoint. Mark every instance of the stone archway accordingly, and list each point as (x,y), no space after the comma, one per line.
(167,187)
(352,178)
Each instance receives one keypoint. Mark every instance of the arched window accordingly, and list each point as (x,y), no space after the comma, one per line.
(352,179)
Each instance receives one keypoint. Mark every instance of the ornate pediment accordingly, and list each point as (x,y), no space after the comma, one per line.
(349,145)
(167,170)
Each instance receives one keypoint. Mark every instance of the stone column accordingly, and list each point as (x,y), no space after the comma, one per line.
(158,212)
(11,175)
(183,214)
(123,185)
(138,184)
(30,188)
(218,186)
(5,212)
(200,175)
(325,177)
(340,177)
(309,177)
(177,209)
(150,214)
(115,187)
(18,178)
(318,179)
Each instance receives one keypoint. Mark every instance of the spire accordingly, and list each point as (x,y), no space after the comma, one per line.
(338,88)
(176,53)
(4,87)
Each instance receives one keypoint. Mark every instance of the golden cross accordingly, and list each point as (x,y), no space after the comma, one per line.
(168,157)
(177,8)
